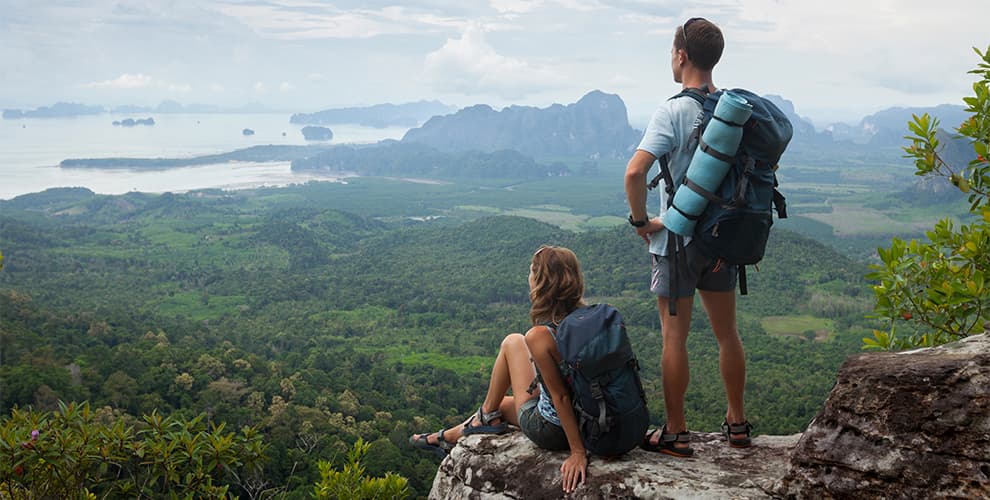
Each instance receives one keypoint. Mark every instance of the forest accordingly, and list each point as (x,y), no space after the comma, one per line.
(312,316)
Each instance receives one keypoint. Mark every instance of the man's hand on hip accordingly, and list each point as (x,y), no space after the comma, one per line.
(653,225)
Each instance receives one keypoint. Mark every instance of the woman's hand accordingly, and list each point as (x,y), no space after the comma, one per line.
(573,470)
(652,226)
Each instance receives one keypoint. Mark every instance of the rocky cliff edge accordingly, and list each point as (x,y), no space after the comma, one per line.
(913,424)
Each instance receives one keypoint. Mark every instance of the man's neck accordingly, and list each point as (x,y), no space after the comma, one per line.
(698,80)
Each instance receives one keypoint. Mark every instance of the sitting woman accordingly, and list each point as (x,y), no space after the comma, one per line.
(545,415)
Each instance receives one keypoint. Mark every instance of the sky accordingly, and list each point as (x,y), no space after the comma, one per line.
(837,60)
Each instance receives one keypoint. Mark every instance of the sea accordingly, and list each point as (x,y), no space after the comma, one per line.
(31,149)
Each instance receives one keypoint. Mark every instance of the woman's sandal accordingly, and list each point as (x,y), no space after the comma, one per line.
(441,449)
(668,443)
(743,427)
(486,426)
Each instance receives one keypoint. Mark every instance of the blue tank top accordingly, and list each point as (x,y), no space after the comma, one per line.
(545,404)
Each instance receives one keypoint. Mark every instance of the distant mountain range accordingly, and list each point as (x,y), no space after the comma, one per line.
(379,115)
(883,128)
(889,126)
(596,126)
(57,110)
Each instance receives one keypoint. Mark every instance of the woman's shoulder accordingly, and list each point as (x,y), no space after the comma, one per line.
(540,336)
(541,330)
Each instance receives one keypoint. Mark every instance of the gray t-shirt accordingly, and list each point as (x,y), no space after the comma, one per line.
(669,131)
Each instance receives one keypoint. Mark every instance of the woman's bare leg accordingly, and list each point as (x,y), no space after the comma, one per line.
(512,369)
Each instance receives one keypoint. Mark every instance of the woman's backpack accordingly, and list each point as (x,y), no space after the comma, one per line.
(602,372)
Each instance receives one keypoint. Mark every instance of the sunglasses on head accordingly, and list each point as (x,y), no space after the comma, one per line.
(684,29)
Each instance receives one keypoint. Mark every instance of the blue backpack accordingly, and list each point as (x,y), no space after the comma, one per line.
(735,225)
(602,372)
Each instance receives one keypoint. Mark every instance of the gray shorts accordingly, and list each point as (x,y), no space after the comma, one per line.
(695,272)
(539,430)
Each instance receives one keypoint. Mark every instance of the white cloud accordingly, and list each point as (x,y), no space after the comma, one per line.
(286,87)
(622,81)
(511,7)
(305,24)
(139,81)
(469,65)
(859,55)
(515,6)
(653,25)
(844,55)
(312,21)
(124,81)
(260,87)
(581,5)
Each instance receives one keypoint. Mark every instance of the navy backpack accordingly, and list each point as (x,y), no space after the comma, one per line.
(602,372)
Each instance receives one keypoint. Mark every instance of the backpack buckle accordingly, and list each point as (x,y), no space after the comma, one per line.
(596,391)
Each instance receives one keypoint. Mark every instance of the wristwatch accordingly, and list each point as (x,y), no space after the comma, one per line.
(636,223)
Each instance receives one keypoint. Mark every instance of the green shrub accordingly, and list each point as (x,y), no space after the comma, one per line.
(937,290)
(351,483)
(75,452)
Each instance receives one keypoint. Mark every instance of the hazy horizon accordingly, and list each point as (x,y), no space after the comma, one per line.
(836,63)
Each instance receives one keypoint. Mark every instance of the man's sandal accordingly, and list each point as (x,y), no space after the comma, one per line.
(743,427)
(486,426)
(441,449)
(668,443)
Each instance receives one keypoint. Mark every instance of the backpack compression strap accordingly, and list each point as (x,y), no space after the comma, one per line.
(778,199)
(675,251)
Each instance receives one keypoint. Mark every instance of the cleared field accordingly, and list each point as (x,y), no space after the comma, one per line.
(198,306)
(557,215)
(855,220)
(797,326)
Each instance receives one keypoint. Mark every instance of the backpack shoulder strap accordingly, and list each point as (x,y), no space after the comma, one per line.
(538,379)
(664,175)
(697,94)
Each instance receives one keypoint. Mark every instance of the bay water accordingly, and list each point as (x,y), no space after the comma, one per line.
(31,149)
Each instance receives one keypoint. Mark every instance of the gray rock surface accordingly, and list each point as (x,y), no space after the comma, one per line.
(512,467)
(914,424)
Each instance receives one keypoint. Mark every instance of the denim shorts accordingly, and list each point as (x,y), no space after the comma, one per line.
(539,430)
(695,271)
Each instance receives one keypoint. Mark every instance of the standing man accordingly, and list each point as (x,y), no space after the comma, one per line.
(696,49)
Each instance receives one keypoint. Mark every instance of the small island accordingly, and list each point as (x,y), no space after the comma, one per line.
(247,131)
(130,122)
(311,133)
(253,154)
